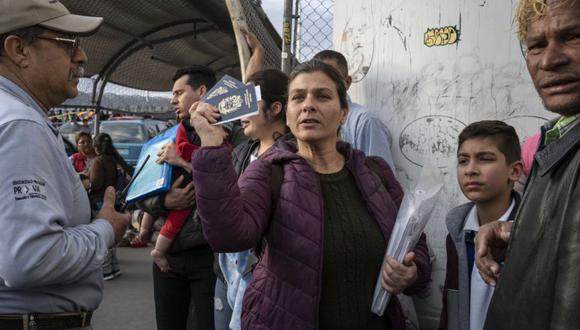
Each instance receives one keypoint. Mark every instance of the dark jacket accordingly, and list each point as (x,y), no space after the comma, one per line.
(103,174)
(457,278)
(242,154)
(540,284)
(286,283)
(190,235)
(241,159)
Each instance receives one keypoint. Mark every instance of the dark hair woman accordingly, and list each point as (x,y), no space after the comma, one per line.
(105,169)
(327,232)
(263,129)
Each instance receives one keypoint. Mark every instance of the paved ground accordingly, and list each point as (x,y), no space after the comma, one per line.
(128,299)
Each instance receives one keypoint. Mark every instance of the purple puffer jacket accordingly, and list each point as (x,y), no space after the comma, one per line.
(286,283)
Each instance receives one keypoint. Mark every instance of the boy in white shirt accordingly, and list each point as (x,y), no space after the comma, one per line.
(488,165)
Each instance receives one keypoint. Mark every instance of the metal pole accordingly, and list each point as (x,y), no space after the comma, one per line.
(296,34)
(287,37)
(97,105)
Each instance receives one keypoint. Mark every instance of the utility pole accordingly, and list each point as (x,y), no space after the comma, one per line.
(287,37)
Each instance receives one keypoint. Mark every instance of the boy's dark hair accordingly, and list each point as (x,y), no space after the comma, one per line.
(197,75)
(505,137)
(334,55)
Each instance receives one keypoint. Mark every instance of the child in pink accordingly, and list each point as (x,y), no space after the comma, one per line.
(529,149)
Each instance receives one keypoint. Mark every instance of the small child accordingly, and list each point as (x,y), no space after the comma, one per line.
(488,165)
(176,155)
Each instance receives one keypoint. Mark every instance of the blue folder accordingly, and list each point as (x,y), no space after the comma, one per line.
(154,178)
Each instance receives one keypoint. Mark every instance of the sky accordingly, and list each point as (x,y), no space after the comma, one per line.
(316,35)
(275,11)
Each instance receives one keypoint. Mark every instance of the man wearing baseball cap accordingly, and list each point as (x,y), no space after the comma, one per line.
(50,251)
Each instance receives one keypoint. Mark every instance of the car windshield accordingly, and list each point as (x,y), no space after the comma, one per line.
(124,132)
(75,127)
(70,130)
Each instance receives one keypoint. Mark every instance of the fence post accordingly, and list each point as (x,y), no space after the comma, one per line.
(313,27)
(287,37)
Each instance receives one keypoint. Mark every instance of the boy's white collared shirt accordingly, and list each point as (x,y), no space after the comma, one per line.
(480,292)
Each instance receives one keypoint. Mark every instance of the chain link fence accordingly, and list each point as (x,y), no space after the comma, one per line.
(117,101)
(313,30)
(143,46)
(258,24)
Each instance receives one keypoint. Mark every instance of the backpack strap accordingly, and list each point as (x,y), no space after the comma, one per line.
(277,177)
(373,166)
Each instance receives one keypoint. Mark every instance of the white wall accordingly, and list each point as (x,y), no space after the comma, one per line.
(426,95)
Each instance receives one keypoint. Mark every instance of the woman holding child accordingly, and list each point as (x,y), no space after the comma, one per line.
(323,239)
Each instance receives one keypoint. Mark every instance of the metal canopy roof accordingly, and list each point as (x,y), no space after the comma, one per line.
(142,42)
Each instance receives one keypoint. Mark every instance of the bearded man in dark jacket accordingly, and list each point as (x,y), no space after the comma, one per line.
(539,284)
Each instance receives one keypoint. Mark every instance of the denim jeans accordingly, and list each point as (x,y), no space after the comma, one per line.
(222,313)
(110,264)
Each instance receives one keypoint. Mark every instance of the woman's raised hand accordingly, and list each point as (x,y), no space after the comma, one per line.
(202,118)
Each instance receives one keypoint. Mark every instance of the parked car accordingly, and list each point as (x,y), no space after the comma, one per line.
(129,135)
(70,130)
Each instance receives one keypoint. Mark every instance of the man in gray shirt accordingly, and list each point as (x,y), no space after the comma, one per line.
(50,251)
(362,129)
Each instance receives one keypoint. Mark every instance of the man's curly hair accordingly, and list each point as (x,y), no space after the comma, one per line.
(529,10)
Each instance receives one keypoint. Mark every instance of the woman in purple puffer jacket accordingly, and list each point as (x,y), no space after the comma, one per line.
(324,241)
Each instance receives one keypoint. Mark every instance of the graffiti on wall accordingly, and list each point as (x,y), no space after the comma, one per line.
(472,71)
(430,138)
(357,43)
(433,106)
(441,36)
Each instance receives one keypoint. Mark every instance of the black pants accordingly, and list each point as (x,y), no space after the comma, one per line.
(184,297)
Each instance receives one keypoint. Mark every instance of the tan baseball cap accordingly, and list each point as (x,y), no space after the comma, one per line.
(51,14)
